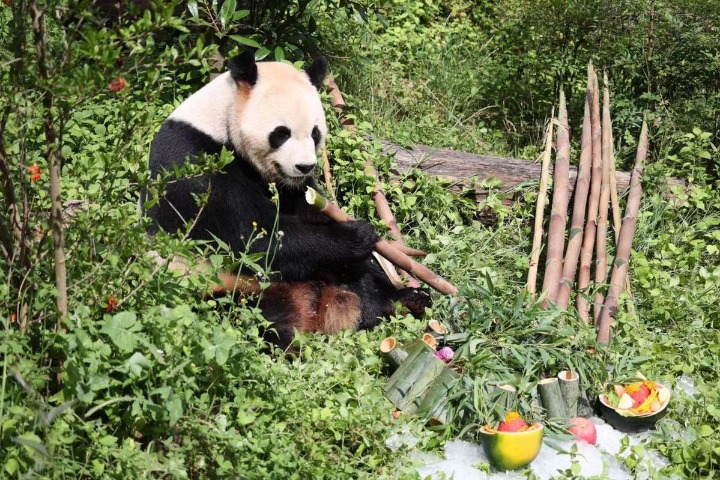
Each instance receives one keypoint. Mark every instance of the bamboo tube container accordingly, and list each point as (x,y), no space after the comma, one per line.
(586,253)
(394,355)
(383,247)
(551,398)
(602,222)
(540,211)
(430,340)
(582,188)
(558,215)
(627,232)
(570,391)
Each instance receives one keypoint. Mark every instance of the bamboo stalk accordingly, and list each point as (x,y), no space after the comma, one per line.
(434,403)
(381,203)
(401,381)
(421,386)
(326,173)
(614,197)
(383,247)
(582,188)
(558,215)
(570,390)
(602,224)
(586,253)
(540,210)
(627,232)
(394,355)
(551,399)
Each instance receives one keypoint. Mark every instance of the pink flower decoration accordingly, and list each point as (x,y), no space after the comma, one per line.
(445,354)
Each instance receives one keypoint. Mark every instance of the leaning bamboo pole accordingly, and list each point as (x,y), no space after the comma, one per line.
(586,253)
(558,215)
(601,267)
(624,247)
(614,197)
(381,203)
(383,247)
(540,209)
(582,188)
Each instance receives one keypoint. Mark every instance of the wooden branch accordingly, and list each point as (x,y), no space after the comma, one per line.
(540,210)
(381,203)
(53,159)
(558,215)
(624,247)
(582,188)
(383,247)
(602,223)
(463,169)
(586,252)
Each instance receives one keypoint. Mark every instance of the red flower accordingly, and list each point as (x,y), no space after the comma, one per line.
(13,317)
(6,2)
(111,304)
(35,172)
(117,84)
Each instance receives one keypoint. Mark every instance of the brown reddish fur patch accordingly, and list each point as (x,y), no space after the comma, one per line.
(338,310)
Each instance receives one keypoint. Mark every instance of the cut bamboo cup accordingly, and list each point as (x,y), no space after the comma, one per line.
(570,390)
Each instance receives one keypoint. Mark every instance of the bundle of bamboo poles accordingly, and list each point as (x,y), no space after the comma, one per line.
(595,190)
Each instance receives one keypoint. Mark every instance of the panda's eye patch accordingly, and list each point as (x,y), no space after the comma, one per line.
(278,137)
(316,136)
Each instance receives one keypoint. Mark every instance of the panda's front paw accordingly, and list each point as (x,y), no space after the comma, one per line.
(358,238)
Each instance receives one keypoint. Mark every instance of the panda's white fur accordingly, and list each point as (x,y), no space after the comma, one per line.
(282,96)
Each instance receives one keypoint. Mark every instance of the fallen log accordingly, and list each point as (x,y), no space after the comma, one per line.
(463,168)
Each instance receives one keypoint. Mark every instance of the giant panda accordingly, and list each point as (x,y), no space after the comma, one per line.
(270,116)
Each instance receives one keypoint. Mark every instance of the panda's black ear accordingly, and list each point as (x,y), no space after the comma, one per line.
(317,71)
(243,68)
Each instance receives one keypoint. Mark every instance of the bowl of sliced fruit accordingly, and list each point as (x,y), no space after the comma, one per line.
(514,444)
(635,406)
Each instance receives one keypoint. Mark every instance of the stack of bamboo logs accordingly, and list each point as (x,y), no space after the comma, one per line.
(595,187)
(421,381)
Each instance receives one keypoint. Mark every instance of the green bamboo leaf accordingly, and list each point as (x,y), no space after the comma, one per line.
(279,54)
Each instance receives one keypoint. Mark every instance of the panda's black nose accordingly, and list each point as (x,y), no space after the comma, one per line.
(305,168)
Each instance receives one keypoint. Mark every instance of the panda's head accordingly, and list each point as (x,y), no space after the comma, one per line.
(278,122)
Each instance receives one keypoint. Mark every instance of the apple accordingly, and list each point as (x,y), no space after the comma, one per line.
(513,423)
(583,429)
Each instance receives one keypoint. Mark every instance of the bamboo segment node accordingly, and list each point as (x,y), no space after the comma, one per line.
(552,399)
(570,390)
